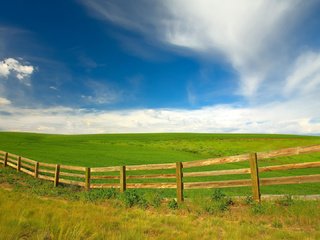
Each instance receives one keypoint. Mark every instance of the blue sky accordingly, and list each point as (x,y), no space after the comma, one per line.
(97,66)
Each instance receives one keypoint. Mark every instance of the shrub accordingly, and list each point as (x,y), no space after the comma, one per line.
(217,195)
(172,204)
(99,194)
(131,198)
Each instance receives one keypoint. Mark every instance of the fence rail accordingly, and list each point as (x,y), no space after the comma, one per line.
(95,177)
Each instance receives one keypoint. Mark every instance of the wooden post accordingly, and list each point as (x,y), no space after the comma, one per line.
(18,164)
(179,176)
(5,159)
(87,183)
(123,182)
(255,177)
(36,169)
(56,175)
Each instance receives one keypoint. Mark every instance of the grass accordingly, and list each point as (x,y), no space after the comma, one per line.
(130,149)
(32,209)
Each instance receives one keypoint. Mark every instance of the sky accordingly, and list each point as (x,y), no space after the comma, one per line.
(127,66)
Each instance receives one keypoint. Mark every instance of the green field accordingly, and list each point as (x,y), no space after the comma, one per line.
(130,149)
(33,209)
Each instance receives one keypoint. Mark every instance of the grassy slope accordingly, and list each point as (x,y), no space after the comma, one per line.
(127,149)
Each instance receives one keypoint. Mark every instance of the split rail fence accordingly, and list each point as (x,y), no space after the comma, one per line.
(96,177)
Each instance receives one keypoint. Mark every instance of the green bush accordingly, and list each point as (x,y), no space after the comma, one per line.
(217,195)
(132,198)
(99,194)
(172,204)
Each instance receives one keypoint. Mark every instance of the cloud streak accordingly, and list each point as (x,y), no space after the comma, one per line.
(220,118)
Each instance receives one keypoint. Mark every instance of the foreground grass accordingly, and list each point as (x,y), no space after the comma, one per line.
(32,209)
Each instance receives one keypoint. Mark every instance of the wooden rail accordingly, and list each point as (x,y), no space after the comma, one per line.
(96,177)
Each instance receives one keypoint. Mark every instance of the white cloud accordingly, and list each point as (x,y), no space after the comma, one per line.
(291,117)
(4,101)
(12,66)
(304,77)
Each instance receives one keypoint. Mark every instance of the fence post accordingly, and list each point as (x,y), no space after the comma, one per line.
(36,169)
(123,180)
(5,159)
(56,175)
(179,176)
(255,177)
(87,183)
(18,164)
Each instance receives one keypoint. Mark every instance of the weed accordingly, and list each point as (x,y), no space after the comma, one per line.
(258,208)
(286,201)
(172,204)
(276,224)
(154,199)
(248,200)
(217,195)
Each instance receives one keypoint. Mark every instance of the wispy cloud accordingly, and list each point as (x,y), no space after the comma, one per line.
(253,37)
(220,118)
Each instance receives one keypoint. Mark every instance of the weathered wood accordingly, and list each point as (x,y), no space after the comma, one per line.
(255,177)
(41,170)
(44,177)
(218,184)
(87,178)
(289,166)
(151,185)
(123,178)
(49,165)
(151,176)
(36,170)
(27,160)
(27,165)
(162,166)
(217,173)
(56,175)
(104,177)
(12,160)
(213,161)
(179,179)
(11,165)
(18,164)
(105,169)
(105,185)
(5,161)
(71,182)
(73,174)
(290,180)
(27,171)
(74,168)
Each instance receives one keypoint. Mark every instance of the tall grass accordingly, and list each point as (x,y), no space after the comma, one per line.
(25,216)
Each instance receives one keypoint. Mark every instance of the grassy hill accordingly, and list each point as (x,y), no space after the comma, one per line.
(129,149)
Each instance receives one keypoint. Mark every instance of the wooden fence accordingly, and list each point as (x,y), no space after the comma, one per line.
(96,177)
